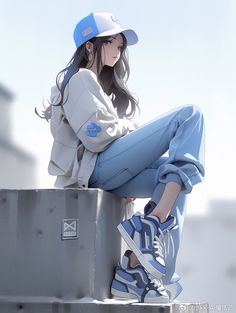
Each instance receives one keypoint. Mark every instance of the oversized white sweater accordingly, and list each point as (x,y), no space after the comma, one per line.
(85,126)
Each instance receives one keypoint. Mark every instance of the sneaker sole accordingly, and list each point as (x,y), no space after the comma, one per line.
(150,269)
(126,295)
(123,295)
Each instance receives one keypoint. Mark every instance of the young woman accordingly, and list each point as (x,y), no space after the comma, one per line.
(96,144)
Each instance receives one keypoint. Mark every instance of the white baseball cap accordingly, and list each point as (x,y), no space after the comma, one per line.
(100,24)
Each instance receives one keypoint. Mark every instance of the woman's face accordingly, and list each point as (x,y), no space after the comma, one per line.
(111,50)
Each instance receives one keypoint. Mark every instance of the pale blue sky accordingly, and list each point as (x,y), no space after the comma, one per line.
(186,54)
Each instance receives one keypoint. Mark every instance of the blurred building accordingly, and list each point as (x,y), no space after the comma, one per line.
(207,257)
(17,167)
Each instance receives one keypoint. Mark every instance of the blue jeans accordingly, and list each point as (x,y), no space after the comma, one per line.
(134,165)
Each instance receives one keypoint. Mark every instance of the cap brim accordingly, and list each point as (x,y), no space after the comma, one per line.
(130,35)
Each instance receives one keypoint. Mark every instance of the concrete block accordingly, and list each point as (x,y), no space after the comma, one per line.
(58,243)
(53,305)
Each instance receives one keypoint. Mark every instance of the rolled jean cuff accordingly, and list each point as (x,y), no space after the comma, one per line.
(188,174)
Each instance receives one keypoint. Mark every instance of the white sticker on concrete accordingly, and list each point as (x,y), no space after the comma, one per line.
(70,229)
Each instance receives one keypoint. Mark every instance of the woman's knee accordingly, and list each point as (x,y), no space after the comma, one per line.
(189,110)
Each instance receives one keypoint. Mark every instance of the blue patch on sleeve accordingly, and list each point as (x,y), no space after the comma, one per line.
(93,129)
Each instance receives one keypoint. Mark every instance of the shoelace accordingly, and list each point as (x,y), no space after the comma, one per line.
(165,242)
(160,244)
(156,283)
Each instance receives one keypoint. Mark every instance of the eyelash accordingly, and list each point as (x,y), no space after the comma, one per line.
(110,41)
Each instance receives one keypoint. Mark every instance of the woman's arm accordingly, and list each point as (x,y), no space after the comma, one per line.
(89,117)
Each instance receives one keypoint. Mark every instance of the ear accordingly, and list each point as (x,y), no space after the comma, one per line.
(89,46)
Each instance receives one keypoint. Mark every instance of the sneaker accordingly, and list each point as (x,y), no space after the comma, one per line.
(136,283)
(143,235)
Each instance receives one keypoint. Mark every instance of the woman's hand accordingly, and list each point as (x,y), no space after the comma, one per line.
(129,200)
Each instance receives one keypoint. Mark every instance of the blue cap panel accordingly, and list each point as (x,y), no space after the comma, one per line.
(85,30)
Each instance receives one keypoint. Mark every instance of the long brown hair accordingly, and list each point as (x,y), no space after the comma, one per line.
(112,79)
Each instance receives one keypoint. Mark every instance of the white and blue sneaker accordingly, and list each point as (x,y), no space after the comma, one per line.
(136,283)
(144,235)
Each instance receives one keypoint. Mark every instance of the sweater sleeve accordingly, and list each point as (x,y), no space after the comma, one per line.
(94,125)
